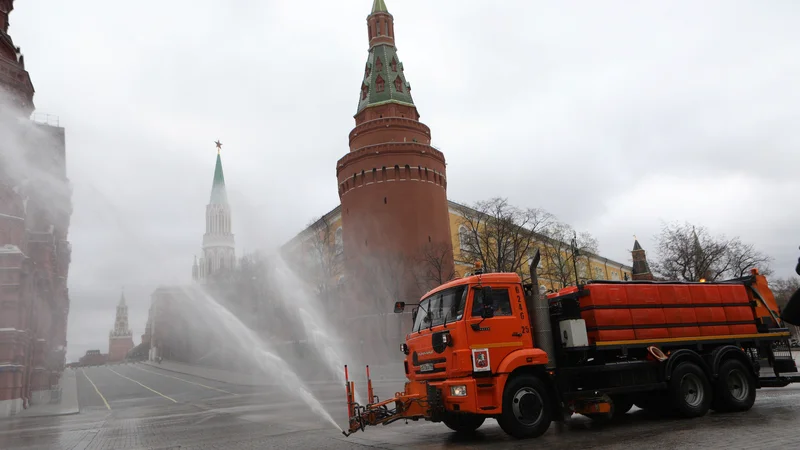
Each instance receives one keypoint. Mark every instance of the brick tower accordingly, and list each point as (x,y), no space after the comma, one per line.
(641,270)
(35,210)
(15,83)
(120,339)
(392,183)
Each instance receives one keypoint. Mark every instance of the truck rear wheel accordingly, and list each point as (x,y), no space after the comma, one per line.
(464,423)
(735,389)
(689,390)
(527,411)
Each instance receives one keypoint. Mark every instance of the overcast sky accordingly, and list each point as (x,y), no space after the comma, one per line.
(615,116)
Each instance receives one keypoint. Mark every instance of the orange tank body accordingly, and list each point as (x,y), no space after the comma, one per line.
(631,311)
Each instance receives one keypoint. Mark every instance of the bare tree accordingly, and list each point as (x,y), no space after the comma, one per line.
(318,258)
(500,235)
(325,265)
(434,266)
(783,289)
(690,253)
(743,257)
(559,252)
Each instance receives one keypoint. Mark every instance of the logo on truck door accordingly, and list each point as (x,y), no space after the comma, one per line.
(480,360)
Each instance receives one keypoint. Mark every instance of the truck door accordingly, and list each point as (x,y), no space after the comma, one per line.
(492,339)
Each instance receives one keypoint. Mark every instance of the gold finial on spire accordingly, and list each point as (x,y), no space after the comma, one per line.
(634,238)
(219,145)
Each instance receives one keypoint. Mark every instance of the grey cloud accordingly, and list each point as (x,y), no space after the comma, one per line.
(612,115)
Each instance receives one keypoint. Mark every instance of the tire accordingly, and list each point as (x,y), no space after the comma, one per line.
(689,391)
(527,409)
(464,423)
(735,389)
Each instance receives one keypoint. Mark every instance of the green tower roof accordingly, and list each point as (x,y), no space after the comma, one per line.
(218,193)
(379,6)
(384,80)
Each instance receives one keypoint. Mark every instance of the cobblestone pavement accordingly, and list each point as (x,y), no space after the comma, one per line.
(142,407)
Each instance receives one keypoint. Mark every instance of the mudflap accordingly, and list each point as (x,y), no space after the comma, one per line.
(436,411)
(561,410)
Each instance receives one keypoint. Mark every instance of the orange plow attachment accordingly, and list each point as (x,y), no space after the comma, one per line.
(404,405)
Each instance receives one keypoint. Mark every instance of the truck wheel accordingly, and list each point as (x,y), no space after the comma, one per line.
(464,423)
(689,390)
(527,411)
(735,389)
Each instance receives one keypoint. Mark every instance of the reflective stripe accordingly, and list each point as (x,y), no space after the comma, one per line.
(698,338)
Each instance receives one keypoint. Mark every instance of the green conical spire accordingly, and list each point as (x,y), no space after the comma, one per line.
(384,79)
(218,194)
(379,6)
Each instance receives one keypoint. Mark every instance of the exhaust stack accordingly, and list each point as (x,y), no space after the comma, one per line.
(539,315)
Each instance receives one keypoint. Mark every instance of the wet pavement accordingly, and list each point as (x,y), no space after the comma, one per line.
(142,407)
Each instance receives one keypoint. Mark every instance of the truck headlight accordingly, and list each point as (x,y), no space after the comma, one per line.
(458,391)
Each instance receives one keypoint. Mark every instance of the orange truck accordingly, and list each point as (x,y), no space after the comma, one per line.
(490,346)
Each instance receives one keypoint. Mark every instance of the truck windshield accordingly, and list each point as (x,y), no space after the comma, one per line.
(441,307)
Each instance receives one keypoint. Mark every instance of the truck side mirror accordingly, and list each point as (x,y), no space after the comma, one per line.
(399,307)
(487,303)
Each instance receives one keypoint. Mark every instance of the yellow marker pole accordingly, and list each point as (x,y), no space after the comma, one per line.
(95,389)
(140,384)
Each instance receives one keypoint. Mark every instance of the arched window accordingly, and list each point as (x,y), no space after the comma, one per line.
(614,275)
(463,238)
(338,241)
(396,172)
(379,84)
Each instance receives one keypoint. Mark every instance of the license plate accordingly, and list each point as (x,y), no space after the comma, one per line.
(427,367)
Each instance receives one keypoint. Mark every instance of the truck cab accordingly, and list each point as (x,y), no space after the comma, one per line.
(467,336)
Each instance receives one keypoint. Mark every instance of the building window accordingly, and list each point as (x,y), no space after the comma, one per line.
(463,238)
(379,84)
(614,275)
(394,65)
(364,91)
(338,241)
(598,273)
(378,64)
(398,84)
